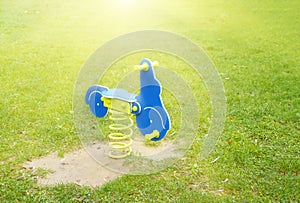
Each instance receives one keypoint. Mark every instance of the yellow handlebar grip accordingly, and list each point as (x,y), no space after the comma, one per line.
(145,67)
(155,64)
(141,67)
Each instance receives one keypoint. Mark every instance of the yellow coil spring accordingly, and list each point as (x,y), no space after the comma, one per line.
(120,142)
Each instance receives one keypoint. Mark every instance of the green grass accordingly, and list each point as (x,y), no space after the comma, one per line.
(255,46)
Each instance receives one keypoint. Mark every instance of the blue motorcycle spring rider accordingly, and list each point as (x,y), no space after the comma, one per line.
(147,107)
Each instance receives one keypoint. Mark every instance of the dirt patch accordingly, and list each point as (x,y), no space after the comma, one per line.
(81,168)
(76,167)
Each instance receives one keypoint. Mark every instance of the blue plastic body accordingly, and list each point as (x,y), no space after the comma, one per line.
(93,99)
(150,111)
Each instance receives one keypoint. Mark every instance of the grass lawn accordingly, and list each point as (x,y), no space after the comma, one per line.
(255,46)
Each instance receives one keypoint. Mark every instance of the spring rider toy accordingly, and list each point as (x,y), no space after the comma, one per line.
(152,118)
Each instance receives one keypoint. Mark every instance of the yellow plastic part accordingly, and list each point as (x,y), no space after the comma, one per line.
(155,64)
(154,134)
(120,138)
(116,104)
(145,66)
(134,108)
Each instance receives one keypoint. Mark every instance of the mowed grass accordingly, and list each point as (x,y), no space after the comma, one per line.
(255,46)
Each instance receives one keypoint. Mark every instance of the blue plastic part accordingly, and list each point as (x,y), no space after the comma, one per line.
(93,99)
(151,113)
(154,115)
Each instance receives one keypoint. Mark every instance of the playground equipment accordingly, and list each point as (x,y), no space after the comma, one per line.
(147,107)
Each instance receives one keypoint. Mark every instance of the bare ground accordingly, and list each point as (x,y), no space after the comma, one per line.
(76,167)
